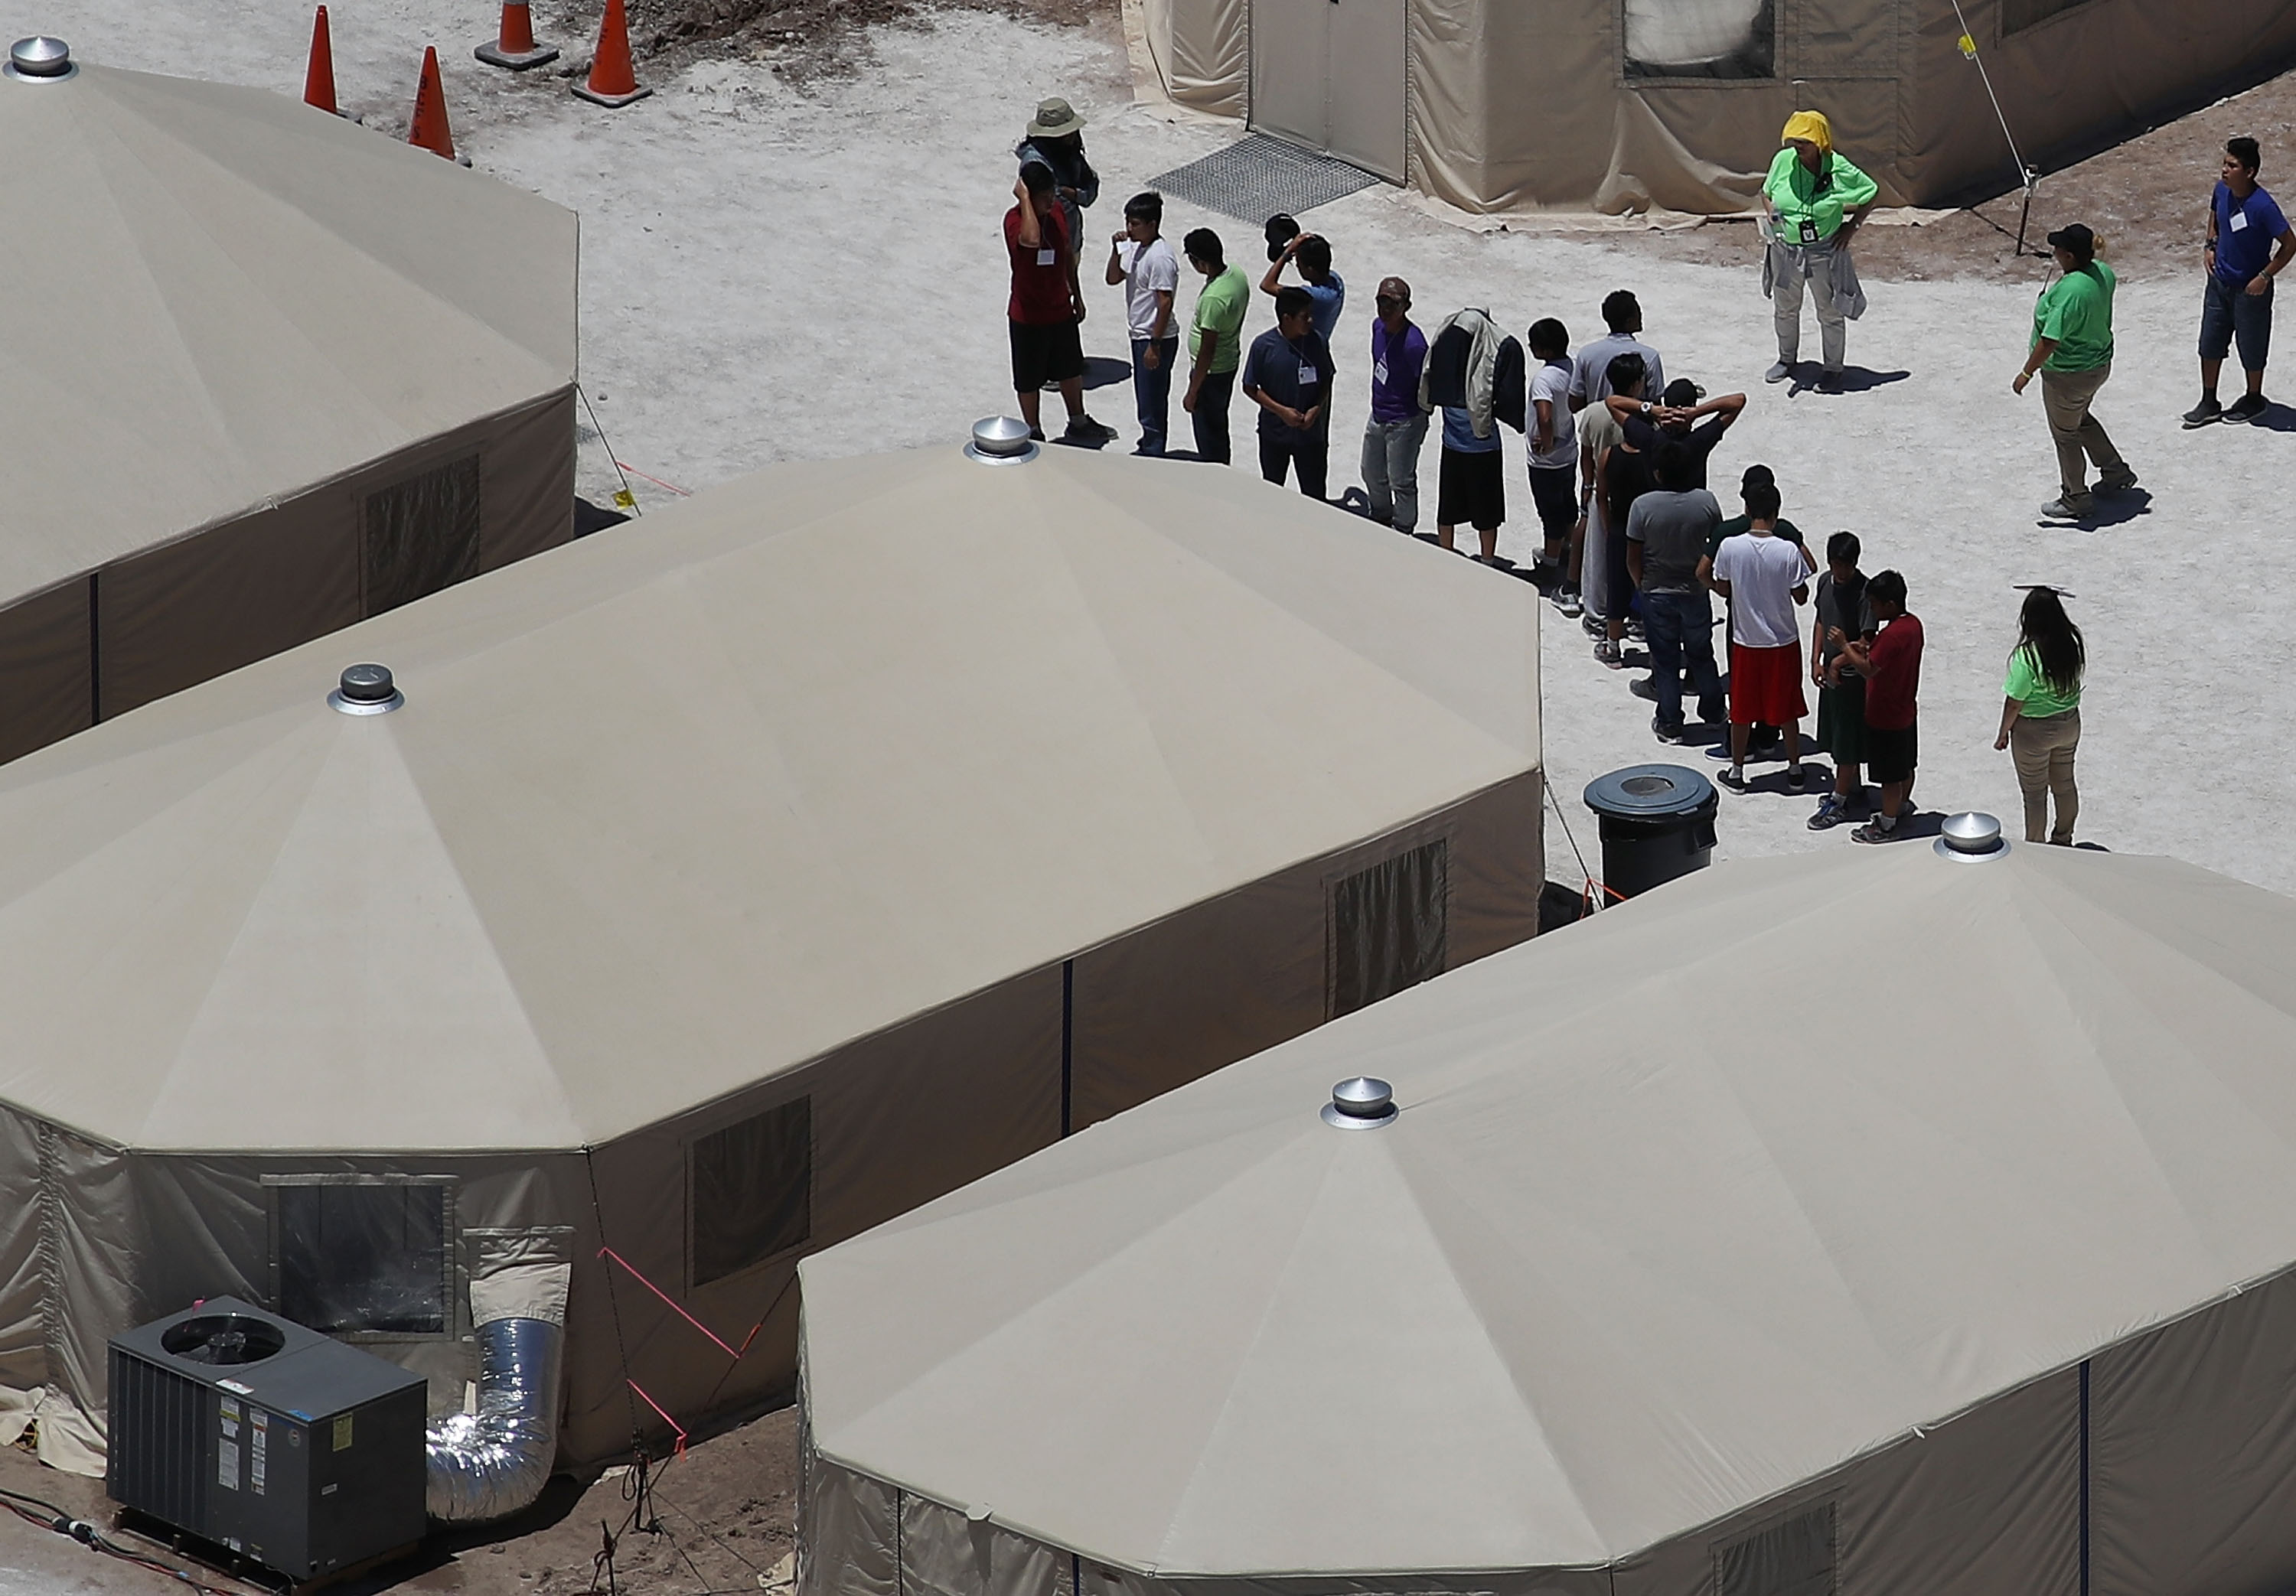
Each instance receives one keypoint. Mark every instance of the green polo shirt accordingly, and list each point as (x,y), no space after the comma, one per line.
(2077,311)
(1820,197)
(1220,309)
(2032,689)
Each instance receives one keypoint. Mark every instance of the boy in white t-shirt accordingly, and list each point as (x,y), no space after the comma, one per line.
(1140,259)
(1764,578)
(1554,452)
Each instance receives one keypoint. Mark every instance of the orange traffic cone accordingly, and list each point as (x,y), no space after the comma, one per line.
(430,130)
(319,77)
(514,46)
(613,81)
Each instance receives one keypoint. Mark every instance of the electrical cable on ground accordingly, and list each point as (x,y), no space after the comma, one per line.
(49,1516)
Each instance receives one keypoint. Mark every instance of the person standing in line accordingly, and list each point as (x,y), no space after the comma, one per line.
(2040,714)
(1622,473)
(1841,608)
(1764,742)
(1665,544)
(1815,199)
(1891,665)
(1311,253)
(1397,429)
(1553,447)
(1680,416)
(1590,368)
(1046,308)
(1763,578)
(1470,483)
(2072,349)
(1140,261)
(1288,374)
(1056,138)
(1215,342)
(2250,243)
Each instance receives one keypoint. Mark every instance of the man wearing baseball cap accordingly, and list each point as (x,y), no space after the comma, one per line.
(2072,349)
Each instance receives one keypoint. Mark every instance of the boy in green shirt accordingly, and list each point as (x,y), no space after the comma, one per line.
(1215,342)
(2072,349)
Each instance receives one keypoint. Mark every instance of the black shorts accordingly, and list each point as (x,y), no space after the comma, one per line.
(1472,490)
(1554,491)
(1890,756)
(1043,354)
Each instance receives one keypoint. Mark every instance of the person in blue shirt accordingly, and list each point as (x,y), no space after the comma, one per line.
(1311,253)
(1288,374)
(2248,243)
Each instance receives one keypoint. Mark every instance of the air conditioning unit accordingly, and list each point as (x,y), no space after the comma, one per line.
(249,1431)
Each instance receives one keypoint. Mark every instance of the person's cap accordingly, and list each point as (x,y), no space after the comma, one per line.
(2077,238)
(1281,229)
(1055,119)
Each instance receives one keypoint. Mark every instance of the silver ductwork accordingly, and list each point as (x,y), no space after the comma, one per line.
(492,1462)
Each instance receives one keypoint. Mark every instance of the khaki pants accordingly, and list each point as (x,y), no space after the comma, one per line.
(2043,750)
(2066,396)
(1815,263)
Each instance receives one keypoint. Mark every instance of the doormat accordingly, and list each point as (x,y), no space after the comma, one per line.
(1253,179)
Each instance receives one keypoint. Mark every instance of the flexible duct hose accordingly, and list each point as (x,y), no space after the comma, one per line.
(494,1462)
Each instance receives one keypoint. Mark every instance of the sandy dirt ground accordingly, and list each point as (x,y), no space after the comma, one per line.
(805,263)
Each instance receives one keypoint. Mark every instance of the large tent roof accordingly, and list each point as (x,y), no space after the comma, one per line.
(1684,1206)
(220,296)
(678,806)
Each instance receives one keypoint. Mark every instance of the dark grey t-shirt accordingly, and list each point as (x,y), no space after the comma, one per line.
(1672,529)
(1844,608)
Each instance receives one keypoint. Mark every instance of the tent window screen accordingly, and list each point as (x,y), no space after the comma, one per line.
(1389,927)
(1791,1558)
(1701,38)
(364,1255)
(2017,15)
(749,1191)
(422,535)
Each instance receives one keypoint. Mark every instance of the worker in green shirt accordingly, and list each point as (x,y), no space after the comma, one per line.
(1816,199)
(1215,342)
(2072,349)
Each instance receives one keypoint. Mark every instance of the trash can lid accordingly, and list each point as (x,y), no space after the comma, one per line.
(1650,792)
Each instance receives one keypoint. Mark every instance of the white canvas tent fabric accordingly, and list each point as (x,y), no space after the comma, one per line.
(246,339)
(941,806)
(1840,1222)
(1510,106)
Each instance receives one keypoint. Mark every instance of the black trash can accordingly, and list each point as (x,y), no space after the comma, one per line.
(1657,824)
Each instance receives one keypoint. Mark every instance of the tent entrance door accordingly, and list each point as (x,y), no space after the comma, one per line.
(1328,75)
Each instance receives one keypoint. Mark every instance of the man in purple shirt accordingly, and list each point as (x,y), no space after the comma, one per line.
(2248,243)
(1399,426)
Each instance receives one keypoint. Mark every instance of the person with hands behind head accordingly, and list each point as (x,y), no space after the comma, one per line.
(1311,253)
(1288,374)
(1679,417)
(1143,264)
(1046,308)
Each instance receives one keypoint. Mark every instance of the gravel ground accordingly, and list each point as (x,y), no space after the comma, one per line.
(804,264)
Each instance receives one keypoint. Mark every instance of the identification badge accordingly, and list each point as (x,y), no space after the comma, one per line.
(1309,376)
(1379,371)
(2239,221)
(1048,257)
(1808,231)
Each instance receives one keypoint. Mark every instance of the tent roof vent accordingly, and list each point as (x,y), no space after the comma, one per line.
(366,689)
(1000,440)
(39,58)
(1363,1104)
(1971,837)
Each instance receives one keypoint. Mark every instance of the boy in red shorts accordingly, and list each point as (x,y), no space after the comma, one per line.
(1764,578)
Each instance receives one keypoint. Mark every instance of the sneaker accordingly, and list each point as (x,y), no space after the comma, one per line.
(1874,830)
(1035,435)
(1606,653)
(1831,813)
(2126,482)
(2060,509)
(2247,407)
(1779,372)
(1664,732)
(1083,428)
(1635,627)
(1566,599)
(1798,777)
(1645,687)
(1720,751)
(1829,382)
(2200,415)
(1735,778)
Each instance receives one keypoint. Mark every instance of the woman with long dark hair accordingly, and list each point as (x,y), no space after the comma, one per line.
(2041,713)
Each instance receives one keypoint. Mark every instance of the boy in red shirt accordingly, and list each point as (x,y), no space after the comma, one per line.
(1891,665)
(1047,306)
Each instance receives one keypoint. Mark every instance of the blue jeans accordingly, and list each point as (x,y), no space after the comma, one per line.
(1679,628)
(1152,391)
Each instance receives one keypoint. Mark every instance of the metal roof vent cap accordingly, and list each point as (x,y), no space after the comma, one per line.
(1000,440)
(366,689)
(39,60)
(1971,837)
(1363,1104)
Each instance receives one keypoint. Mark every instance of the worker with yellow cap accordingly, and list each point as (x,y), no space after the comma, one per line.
(1815,199)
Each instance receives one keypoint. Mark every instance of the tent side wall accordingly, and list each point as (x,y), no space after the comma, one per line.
(1202,49)
(481,496)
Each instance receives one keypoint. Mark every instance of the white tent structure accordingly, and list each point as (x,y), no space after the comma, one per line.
(266,373)
(724,885)
(1873,1221)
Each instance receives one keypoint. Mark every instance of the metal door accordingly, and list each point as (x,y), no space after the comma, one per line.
(1328,75)
(1290,60)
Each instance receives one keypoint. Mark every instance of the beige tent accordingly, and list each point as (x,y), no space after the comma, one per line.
(1870,1221)
(266,372)
(1627,104)
(726,884)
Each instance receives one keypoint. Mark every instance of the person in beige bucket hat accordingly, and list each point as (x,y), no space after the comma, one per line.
(1055,136)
